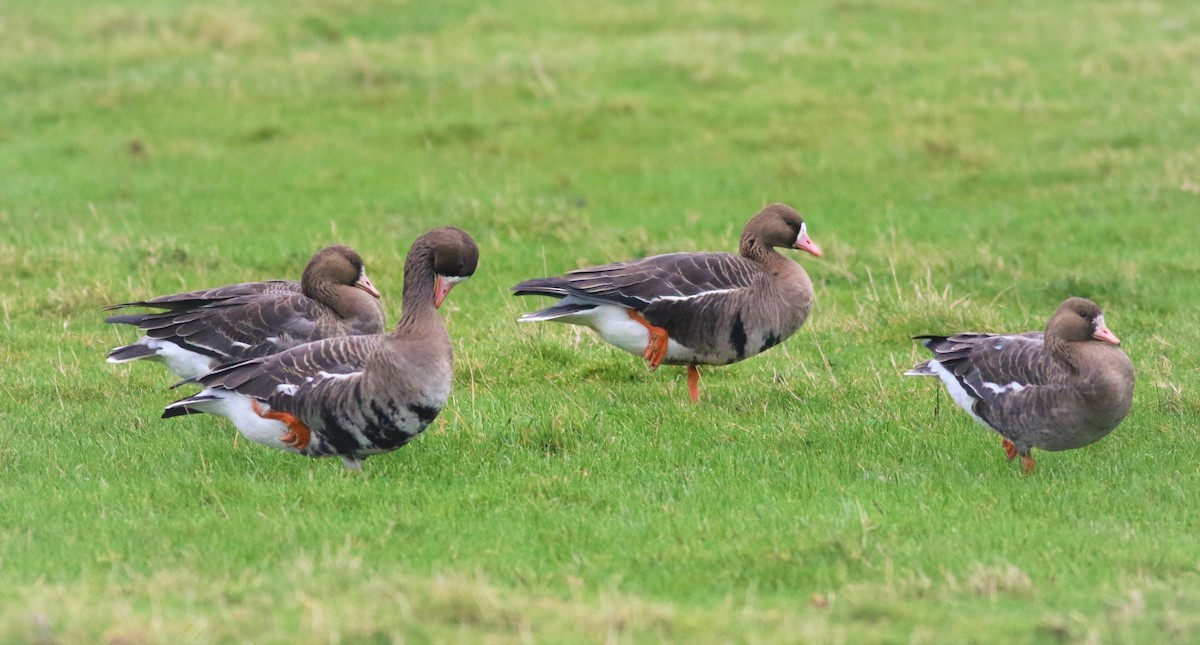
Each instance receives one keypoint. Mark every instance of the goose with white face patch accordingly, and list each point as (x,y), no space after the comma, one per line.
(351,396)
(198,330)
(1062,389)
(692,308)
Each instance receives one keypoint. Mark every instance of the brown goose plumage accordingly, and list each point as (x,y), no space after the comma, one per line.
(692,308)
(351,396)
(198,330)
(1063,389)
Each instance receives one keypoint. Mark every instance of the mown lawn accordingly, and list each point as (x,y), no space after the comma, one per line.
(964,164)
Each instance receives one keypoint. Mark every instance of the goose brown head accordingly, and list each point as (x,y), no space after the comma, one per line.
(455,258)
(777,225)
(335,265)
(1079,320)
(445,255)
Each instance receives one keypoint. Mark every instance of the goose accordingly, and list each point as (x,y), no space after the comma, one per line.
(1062,389)
(198,330)
(692,308)
(351,396)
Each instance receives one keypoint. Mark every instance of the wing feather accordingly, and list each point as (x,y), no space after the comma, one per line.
(997,370)
(205,297)
(639,283)
(238,327)
(290,375)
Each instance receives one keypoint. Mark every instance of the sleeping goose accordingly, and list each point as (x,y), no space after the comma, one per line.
(200,329)
(351,396)
(692,308)
(1063,389)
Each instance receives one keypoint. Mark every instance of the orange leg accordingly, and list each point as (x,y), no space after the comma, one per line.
(1027,464)
(694,383)
(1010,449)
(297,436)
(656,345)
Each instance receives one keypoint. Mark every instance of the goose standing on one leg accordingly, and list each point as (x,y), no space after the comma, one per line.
(352,396)
(201,329)
(1063,389)
(692,308)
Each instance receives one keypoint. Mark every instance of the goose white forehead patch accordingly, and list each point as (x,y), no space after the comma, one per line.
(803,232)
(453,279)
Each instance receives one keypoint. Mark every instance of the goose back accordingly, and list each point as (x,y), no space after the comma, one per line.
(201,329)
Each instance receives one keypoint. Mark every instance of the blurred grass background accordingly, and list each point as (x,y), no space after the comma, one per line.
(965,165)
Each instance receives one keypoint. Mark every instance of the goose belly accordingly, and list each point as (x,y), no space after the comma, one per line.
(614,325)
(1069,433)
(382,426)
(239,409)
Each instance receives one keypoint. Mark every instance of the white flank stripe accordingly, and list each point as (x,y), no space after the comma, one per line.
(335,376)
(692,296)
(287,388)
(1001,389)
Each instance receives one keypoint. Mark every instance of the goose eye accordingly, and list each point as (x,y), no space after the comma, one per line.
(1082,315)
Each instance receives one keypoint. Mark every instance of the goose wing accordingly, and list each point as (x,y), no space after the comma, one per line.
(215,296)
(287,379)
(234,327)
(1013,381)
(639,283)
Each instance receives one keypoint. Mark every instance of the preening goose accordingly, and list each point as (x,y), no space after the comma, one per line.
(1063,389)
(692,308)
(199,330)
(351,396)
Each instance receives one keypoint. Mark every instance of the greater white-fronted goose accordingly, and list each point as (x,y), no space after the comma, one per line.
(692,308)
(198,330)
(351,396)
(1063,389)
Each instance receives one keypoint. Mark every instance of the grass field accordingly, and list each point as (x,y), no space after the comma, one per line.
(964,164)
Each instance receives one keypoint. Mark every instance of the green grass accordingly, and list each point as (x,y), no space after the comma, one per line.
(965,165)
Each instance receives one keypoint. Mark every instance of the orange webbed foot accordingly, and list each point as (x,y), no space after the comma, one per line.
(656,348)
(297,436)
(1027,464)
(656,344)
(1010,449)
